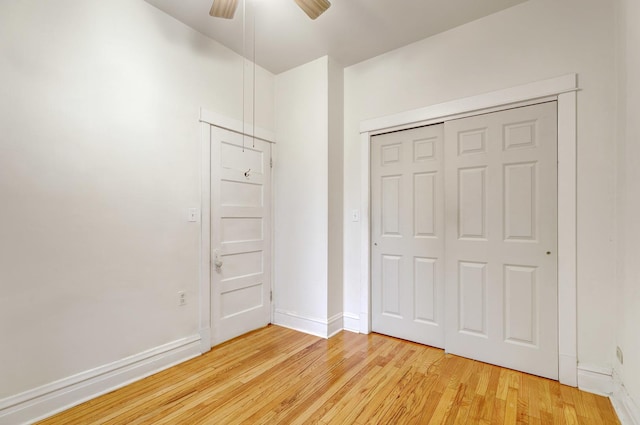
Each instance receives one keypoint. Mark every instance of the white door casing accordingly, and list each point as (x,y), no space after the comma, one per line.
(407,231)
(501,244)
(562,89)
(240,234)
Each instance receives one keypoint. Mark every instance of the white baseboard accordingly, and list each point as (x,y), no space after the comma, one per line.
(365,324)
(309,325)
(627,409)
(42,402)
(567,372)
(595,379)
(335,324)
(351,322)
(205,340)
(605,382)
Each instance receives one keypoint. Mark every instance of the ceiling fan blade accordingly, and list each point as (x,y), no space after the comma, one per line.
(223,8)
(313,8)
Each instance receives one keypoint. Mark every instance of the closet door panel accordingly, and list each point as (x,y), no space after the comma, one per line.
(501,257)
(407,234)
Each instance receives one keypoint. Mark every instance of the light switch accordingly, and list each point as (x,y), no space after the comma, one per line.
(355,215)
(193,214)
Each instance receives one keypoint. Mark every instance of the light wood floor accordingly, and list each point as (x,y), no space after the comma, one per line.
(279,376)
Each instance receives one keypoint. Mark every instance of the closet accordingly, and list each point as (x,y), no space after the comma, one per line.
(464,237)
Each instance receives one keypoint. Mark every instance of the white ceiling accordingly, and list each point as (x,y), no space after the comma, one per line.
(350,31)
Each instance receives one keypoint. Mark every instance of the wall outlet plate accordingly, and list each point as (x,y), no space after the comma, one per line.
(193,215)
(182,298)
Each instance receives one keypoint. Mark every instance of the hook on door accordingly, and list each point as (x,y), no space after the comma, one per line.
(247,173)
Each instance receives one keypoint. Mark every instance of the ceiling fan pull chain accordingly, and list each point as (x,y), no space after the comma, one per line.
(244,54)
(253,115)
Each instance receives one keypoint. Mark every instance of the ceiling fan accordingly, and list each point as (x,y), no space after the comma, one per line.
(227,8)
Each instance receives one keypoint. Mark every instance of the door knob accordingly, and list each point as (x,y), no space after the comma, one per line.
(217,259)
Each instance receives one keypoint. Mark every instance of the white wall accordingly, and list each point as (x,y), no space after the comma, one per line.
(336,187)
(628,307)
(308,197)
(536,40)
(99,161)
(301,187)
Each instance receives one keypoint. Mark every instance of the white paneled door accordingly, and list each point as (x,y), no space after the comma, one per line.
(407,234)
(501,247)
(240,234)
(464,237)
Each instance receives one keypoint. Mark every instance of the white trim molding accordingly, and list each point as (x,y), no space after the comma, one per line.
(626,408)
(596,380)
(323,328)
(502,99)
(606,382)
(335,324)
(567,237)
(207,119)
(47,400)
(236,126)
(561,89)
(351,322)
(205,237)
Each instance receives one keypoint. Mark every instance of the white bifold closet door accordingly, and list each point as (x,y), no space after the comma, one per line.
(240,235)
(407,234)
(464,237)
(501,247)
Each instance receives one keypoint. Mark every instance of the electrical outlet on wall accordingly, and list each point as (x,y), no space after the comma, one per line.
(182,298)
(619,355)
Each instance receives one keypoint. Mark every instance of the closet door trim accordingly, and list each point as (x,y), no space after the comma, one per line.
(562,89)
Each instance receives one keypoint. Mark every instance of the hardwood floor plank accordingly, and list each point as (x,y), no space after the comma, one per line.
(544,398)
(386,397)
(499,410)
(332,405)
(511,407)
(591,407)
(443,408)
(306,391)
(523,401)
(298,389)
(279,376)
(490,398)
(470,381)
(529,384)
(412,403)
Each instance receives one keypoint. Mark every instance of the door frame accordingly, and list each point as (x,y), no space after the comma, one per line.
(562,89)
(207,119)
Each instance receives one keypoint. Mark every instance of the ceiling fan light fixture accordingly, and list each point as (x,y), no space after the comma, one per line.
(224,8)
(313,8)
